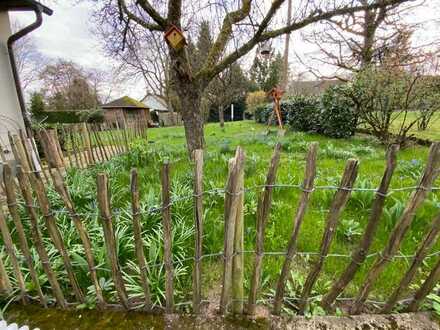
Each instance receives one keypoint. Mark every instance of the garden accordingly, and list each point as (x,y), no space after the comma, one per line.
(168,144)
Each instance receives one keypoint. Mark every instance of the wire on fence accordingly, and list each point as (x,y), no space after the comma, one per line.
(157,209)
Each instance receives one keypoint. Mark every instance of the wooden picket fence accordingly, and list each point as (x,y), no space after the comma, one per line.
(232,299)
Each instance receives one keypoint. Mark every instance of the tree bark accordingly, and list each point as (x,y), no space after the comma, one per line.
(221,116)
(192,116)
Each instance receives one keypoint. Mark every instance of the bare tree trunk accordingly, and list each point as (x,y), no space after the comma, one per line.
(190,92)
(192,118)
(221,116)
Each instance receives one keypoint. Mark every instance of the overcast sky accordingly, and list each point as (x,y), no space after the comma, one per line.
(68,34)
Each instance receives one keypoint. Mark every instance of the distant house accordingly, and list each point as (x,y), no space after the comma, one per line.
(160,113)
(125,110)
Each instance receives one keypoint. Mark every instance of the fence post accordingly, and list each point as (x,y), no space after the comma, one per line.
(82,138)
(263,212)
(232,198)
(36,156)
(54,135)
(54,233)
(11,200)
(10,250)
(307,188)
(43,202)
(71,131)
(24,143)
(37,238)
(167,236)
(198,214)
(50,150)
(359,255)
(5,283)
(109,237)
(87,142)
(137,230)
(66,145)
(18,151)
(421,253)
(339,201)
(417,197)
(427,286)
(65,196)
(238,258)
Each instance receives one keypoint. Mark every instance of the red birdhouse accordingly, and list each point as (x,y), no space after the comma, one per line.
(175,38)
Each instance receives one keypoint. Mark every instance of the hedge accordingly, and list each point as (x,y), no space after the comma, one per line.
(338,116)
(331,114)
(69,117)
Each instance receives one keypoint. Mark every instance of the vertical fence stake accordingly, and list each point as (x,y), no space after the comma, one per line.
(427,286)
(137,231)
(5,283)
(421,253)
(339,201)
(65,196)
(417,197)
(238,258)
(75,148)
(11,200)
(58,146)
(66,145)
(198,214)
(43,202)
(109,237)
(37,238)
(167,236)
(263,212)
(88,143)
(10,250)
(309,179)
(232,198)
(55,234)
(359,255)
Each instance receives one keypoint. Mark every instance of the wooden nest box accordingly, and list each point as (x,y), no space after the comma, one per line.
(175,38)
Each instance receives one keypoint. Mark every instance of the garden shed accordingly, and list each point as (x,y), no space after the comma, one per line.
(160,112)
(125,110)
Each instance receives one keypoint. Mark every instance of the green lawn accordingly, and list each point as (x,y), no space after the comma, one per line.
(431,133)
(169,143)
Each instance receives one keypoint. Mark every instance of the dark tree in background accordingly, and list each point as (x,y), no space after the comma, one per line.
(67,86)
(237,28)
(266,73)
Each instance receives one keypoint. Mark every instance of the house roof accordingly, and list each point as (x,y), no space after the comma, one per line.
(124,102)
(155,103)
(23,5)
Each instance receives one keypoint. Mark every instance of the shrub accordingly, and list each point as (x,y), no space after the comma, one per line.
(391,101)
(338,115)
(254,100)
(332,114)
(302,113)
(262,113)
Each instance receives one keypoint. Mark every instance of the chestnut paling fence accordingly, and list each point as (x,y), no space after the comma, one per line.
(27,183)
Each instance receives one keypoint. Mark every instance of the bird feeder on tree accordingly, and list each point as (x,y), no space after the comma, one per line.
(175,38)
(265,49)
(276,93)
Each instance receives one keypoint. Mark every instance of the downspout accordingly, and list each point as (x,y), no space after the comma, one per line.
(13,38)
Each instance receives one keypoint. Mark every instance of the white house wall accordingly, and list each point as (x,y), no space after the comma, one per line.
(10,115)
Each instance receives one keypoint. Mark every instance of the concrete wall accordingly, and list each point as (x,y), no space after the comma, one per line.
(10,114)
